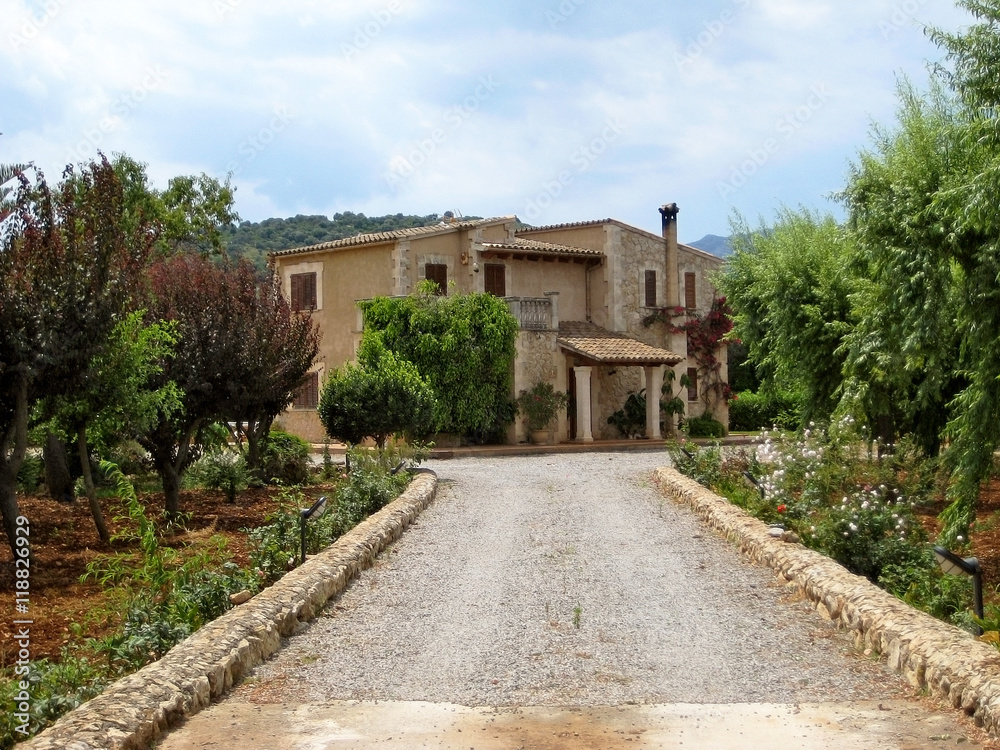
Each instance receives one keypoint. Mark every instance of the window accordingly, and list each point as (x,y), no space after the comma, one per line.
(303,291)
(438,273)
(690,291)
(496,279)
(307,397)
(650,282)
(692,383)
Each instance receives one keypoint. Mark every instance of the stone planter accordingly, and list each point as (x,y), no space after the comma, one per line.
(541,437)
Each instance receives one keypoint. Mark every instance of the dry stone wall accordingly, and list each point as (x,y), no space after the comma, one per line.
(950,663)
(136,710)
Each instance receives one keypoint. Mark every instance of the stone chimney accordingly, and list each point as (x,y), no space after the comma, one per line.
(669,214)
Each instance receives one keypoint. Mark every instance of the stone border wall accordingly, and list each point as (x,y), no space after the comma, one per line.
(139,708)
(949,662)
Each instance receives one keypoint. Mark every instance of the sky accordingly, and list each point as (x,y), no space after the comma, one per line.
(553,110)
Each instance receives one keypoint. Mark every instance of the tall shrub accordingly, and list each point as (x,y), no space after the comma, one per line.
(463,345)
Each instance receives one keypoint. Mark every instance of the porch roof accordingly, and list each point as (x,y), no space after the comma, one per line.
(607,347)
(527,247)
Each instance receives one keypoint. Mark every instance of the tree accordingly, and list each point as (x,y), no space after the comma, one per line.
(190,215)
(240,354)
(789,284)
(115,401)
(903,353)
(462,345)
(381,397)
(68,266)
(280,346)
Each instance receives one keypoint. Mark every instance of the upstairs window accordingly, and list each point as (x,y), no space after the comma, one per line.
(690,291)
(650,286)
(438,273)
(303,291)
(307,397)
(496,279)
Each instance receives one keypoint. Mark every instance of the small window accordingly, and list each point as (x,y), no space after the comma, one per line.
(650,281)
(692,374)
(496,279)
(690,291)
(307,397)
(303,291)
(438,273)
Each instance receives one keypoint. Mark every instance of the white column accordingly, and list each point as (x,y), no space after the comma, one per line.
(654,384)
(585,434)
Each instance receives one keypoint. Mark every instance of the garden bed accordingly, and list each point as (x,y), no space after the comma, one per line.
(64,540)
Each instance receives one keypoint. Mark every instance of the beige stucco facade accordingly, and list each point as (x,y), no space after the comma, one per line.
(554,278)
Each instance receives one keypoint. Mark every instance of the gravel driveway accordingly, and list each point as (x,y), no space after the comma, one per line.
(565,580)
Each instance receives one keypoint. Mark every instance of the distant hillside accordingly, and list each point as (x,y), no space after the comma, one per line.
(255,240)
(714,244)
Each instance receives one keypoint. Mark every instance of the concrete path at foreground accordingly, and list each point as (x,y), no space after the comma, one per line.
(561,602)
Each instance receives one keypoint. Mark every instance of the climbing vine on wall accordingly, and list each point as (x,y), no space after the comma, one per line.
(705,337)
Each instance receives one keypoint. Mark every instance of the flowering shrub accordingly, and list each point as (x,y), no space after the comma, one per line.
(541,404)
(833,490)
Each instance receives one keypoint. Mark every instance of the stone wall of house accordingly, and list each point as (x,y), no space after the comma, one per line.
(134,711)
(538,359)
(947,662)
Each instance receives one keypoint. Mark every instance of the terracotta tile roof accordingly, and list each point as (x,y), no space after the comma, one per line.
(607,347)
(377,238)
(521,245)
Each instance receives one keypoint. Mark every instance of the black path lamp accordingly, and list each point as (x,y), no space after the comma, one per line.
(953,565)
(310,514)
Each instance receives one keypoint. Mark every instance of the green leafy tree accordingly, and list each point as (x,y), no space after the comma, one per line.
(114,401)
(463,345)
(382,396)
(903,353)
(190,215)
(69,264)
(789,285)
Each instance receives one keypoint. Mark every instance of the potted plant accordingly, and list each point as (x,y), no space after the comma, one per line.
(540,405)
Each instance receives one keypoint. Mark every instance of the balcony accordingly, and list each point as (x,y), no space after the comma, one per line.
(536,313)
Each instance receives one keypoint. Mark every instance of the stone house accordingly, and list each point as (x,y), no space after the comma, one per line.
(580,292)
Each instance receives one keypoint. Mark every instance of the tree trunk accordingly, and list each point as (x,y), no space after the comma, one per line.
(13,446)
(171,490)
(88,481)
(58,478)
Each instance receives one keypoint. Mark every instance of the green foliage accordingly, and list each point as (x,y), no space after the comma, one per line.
(750,412)
(630,420)
(704,426)
(842,501)
(541,404)
(166,593)
(225,470)
(370,485)
(463,346)
(384,396)
(30,476)
(55,687)
(285,458)
(790,284)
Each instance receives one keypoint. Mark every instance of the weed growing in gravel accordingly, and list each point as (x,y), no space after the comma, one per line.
(577,616)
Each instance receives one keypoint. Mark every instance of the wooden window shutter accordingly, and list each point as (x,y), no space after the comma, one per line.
(307,397)
(438,273)
(303,291)
(496,279)
(650,288)
(690,290)
(692,374)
